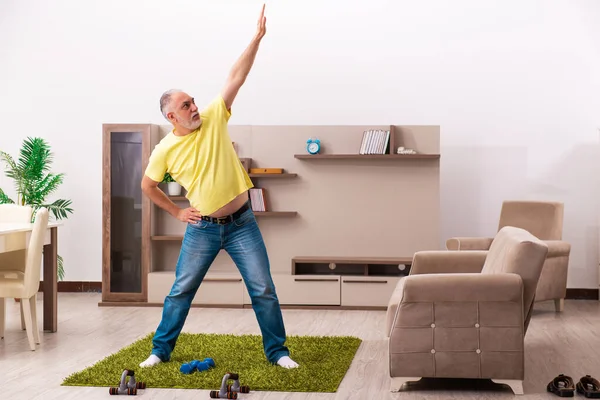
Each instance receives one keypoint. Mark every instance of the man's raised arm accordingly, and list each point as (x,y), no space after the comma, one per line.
(242,67)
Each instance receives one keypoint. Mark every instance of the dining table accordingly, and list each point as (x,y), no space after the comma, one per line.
(15,237)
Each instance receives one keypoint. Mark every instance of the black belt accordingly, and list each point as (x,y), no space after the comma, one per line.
(228,218)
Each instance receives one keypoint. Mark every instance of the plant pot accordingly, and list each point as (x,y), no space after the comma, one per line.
(174,189)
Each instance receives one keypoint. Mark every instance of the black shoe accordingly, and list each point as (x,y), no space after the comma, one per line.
(562,386)
(589,387)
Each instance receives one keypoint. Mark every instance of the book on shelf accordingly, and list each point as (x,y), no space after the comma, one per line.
(375,141)
(257,199)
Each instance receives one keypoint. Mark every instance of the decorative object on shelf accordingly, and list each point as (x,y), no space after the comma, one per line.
(173,188)
(246,163)
(402,150)
(266,170)
(375,141)
(313,146)
(257,199)
(34,183)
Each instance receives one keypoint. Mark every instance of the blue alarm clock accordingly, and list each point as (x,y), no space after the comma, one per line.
(313,146)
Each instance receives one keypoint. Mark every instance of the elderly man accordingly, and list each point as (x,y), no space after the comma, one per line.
(198,153)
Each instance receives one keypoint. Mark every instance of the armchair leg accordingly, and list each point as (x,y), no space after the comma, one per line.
(22,315)
(559,304)
(515,385)
(2,316)
(398,382)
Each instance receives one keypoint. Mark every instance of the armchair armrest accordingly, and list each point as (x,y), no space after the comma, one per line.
(469,243)
(505,287)
(440,262)
(558,248)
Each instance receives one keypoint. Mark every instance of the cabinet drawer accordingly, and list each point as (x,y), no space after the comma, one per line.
(220,290)
(305,290)
(226,289)
(368,291)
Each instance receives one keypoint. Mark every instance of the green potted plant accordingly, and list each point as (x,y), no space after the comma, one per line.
(173,188)
(34,182)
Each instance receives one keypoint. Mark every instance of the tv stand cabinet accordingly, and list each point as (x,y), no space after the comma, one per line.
(343,282)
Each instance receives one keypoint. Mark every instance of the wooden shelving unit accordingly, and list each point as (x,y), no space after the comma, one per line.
(394,157)
(139,268)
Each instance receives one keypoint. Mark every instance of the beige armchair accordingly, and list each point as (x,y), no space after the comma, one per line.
(448,320)
(544,219)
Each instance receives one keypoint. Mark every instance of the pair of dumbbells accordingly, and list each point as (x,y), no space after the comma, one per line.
(196,365)
(228,391)
(127,386)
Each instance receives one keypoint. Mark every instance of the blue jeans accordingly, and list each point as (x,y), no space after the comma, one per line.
(244,243)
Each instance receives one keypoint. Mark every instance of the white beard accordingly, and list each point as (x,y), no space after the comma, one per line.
(192,125)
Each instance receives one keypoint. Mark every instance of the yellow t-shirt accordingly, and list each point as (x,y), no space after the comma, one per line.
(203,162)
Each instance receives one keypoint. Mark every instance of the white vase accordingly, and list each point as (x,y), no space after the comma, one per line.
(174,189)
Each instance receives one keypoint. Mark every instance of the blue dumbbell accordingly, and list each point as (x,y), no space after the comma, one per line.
(194,365)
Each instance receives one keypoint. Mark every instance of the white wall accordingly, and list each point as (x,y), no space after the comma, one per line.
(514,85)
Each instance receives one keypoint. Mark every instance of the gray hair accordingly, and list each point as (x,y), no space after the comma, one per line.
(165,102)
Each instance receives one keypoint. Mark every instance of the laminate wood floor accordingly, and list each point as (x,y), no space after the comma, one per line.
(567,342)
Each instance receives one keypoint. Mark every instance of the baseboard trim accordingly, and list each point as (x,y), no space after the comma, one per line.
(582,294)
(75,287)
(80,287)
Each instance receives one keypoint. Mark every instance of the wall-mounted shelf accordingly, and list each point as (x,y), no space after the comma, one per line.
(256,213)
(275,213)
(367,156)
(275,176)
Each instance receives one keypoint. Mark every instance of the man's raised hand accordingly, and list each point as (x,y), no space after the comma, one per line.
(189,214)
(262,24)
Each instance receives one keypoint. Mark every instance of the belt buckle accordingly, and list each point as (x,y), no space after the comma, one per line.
(222,220)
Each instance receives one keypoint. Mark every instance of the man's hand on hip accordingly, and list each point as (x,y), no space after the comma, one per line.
(189,214)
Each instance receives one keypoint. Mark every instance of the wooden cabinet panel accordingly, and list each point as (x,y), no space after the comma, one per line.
(216,289)
(367,291)
(305,290)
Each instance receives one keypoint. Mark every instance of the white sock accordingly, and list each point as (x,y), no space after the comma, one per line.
(287,362)
(152,360)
